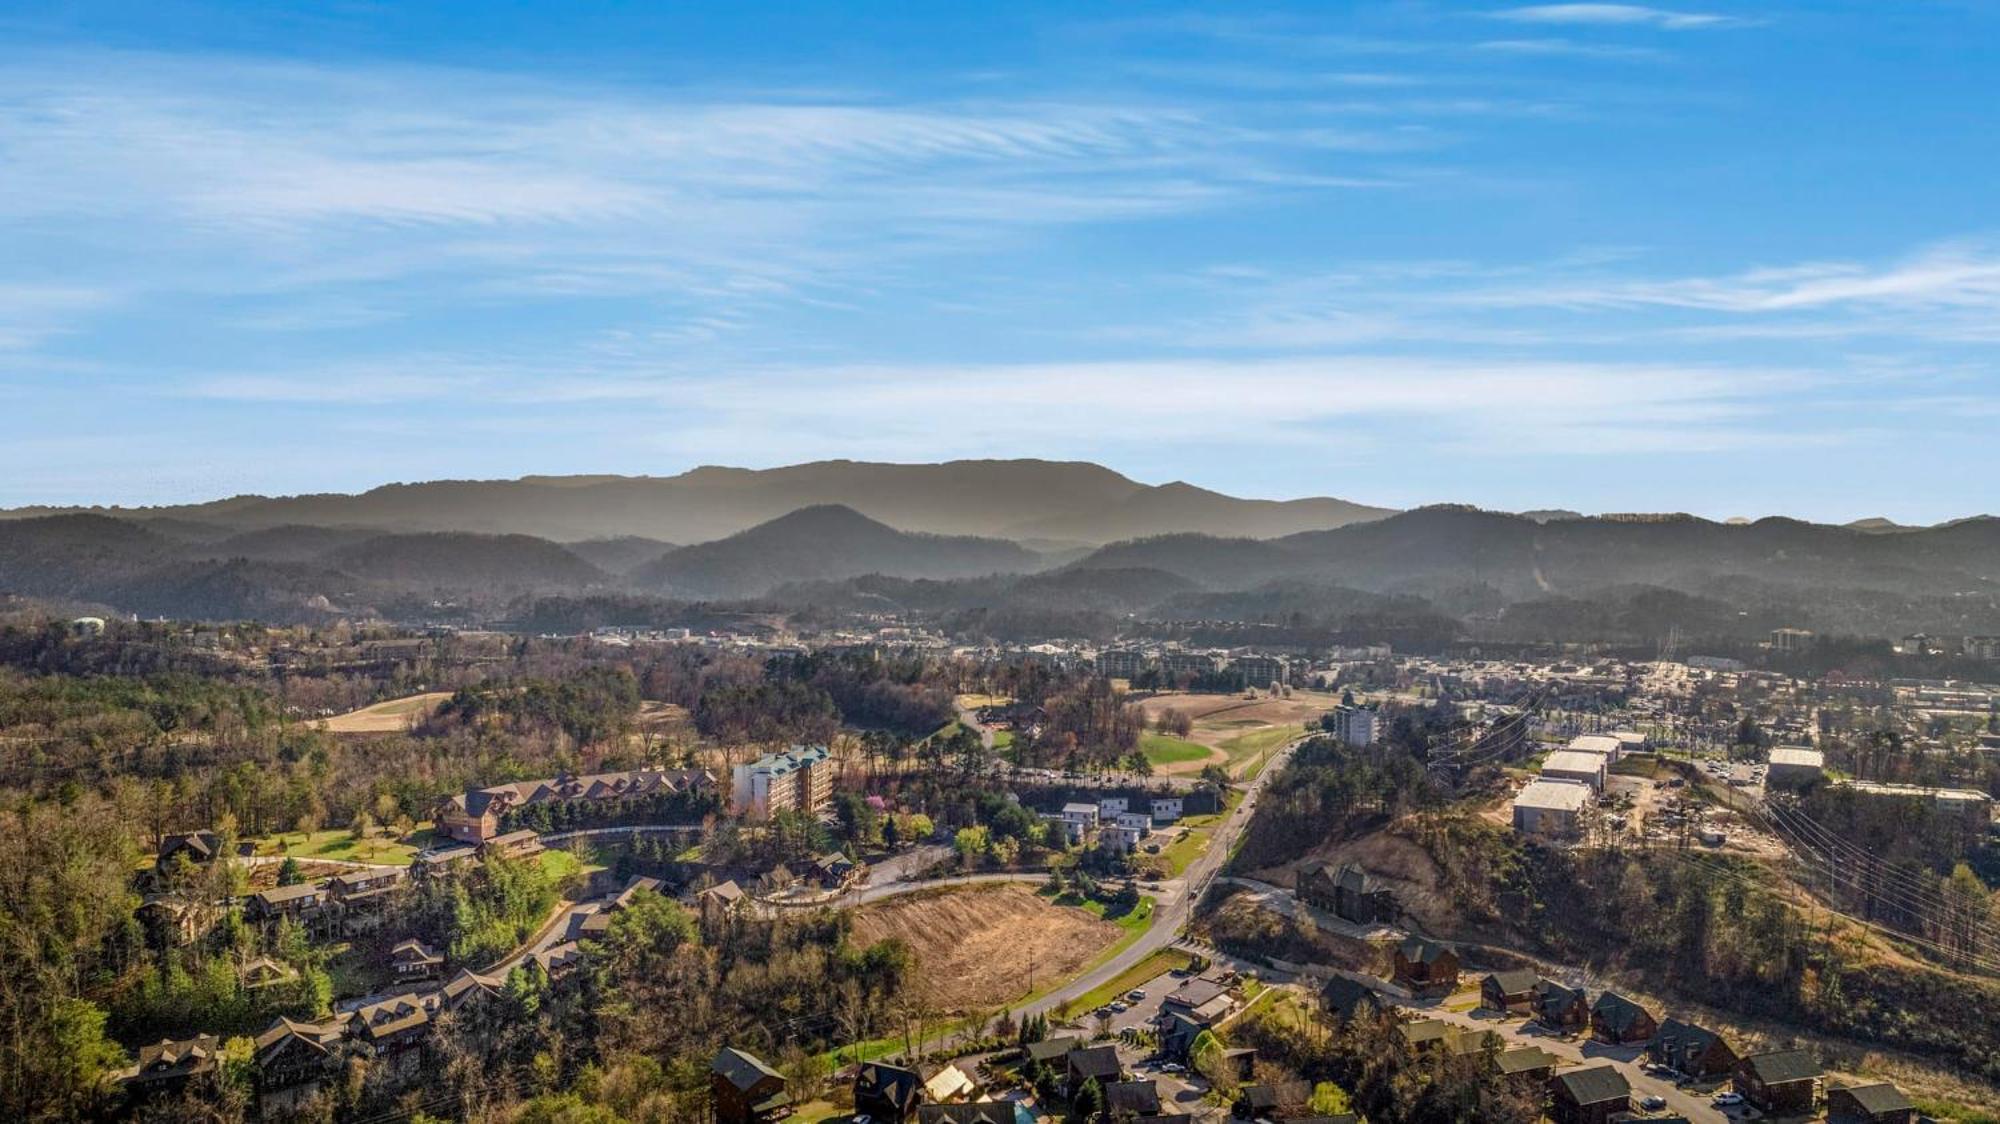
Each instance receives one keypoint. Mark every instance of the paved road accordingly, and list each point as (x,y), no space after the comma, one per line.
(1175,903)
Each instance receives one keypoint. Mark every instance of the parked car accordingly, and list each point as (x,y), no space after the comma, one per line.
(1136,994)
(1653,1103)
(1724,1100)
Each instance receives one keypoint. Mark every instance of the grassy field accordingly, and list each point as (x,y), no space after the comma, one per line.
(385,717)
(1163,749)
(339,845)
(1144,972)
(1245,748)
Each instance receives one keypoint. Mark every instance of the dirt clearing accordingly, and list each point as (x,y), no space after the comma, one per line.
(975,946)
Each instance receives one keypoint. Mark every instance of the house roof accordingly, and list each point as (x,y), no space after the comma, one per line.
(1422,951)
(1595,1084)
(1522,1059)
(741,1069)
(558,956)
(996,1112)
(949,1083)
(203,843)
(1616,1012)
(1050,1049)
(723,892)
(1512,981)
(596,786)
(467,984)
(1347,996)
(169,1058)
(1879,1097)
(1781,1067)
(391,1016)
(1426,1030)
(1094,1061)
(1131,1096)
(313,1035)
(1196,992)
(297,890)
(1551,995)
(414,951)
(892,1083)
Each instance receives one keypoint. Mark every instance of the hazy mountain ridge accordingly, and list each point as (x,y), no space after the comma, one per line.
(828,542)
(1500,574)
(1012,499)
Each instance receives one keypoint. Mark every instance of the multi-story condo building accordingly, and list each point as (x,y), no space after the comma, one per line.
(799,779)
(1122,663)
(1353,725)
(1262,671)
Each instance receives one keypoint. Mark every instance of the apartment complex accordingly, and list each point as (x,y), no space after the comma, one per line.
(799,779)
(1353,725)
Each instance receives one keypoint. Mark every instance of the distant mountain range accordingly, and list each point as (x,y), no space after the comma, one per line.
(1023,539)
(1020,500)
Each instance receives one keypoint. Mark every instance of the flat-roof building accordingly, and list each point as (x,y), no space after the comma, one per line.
(1610,746)
(1973,807)
(1794,766)
(1551,809)
(1573,765)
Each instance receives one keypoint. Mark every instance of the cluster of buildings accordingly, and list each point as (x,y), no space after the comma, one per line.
(1552,805)
(1776,1083)
(480,814)
(744,1089)
(1119,822)
(295,1059)
(1257,669)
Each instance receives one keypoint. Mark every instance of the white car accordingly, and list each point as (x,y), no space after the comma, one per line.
(1726,1099)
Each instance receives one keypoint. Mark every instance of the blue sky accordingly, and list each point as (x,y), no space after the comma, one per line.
(1720,258)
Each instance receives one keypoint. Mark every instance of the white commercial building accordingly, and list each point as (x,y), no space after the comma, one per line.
(1795,766)
(1610,745)
(1570,765)
(1551,809)
(1353,725)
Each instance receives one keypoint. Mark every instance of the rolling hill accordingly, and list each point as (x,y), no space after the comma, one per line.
(823,543)
(465,561)
(1065,502)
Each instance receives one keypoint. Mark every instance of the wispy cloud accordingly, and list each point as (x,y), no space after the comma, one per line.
(1617,15)
(1938,295)
(777,412)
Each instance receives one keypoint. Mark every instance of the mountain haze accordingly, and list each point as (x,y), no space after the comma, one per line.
(1015,499)
(822,543)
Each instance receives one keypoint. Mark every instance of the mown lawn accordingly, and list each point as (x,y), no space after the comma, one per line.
(339,845)
(1145,971)
(1244,749)
(1163,749)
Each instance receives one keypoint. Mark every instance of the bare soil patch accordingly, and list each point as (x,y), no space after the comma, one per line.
(975,946)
